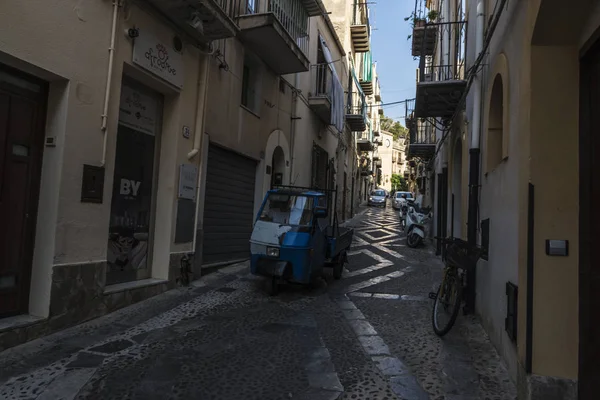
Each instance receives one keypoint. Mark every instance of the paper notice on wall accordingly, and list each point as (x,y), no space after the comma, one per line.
(138,111)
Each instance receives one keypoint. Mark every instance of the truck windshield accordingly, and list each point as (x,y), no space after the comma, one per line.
(288,209)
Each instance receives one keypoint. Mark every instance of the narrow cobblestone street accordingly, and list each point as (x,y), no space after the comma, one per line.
(367,336)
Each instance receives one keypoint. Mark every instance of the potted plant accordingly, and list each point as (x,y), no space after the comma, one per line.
(433,15)
(416,22)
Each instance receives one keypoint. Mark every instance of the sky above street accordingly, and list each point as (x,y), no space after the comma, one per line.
(391,50)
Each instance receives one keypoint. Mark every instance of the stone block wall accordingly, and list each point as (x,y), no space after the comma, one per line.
(77,296)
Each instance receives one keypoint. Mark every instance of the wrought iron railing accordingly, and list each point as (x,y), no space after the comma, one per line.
(321,81)
(447,61)
(365,136)
(422,131)
(360,13)
(291,14)
(356,104)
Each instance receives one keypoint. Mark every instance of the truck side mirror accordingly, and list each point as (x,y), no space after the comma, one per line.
(320,212)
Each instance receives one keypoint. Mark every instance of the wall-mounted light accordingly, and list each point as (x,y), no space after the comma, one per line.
(132,32)
(196,22)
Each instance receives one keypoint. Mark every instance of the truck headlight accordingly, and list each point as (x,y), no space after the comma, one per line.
(272,251)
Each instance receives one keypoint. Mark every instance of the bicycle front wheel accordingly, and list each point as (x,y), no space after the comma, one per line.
(447,303)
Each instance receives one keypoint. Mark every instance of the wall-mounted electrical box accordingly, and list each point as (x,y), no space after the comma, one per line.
(557,247)
(92,184)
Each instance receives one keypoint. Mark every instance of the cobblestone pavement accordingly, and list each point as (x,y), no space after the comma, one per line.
(367,336)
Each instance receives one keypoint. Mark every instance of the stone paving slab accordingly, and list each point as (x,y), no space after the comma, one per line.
(365,337)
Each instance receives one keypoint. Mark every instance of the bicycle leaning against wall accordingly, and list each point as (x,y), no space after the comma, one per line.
(460,256)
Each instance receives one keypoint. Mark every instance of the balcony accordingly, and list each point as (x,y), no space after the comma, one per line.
(364,142)
(320,96)
(365,171)
(203,20)
(365,77)
(356,112)
(360,29)
(424,38)
(377,91)
(441,84)
(277,32)
(422,139)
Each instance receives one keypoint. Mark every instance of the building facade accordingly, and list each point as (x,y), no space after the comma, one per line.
(385,153)
(528,81)
(127,166)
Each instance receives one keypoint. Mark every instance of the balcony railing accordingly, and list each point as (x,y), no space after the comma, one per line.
(356,111)
(422,140)
(278,24)
(320,96)
(441,81)
(203,20)
(291,14)
(364,141)
(321,81)
(294,18)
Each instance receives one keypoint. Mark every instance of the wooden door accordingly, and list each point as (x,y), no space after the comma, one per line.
(589,225)
(22,105)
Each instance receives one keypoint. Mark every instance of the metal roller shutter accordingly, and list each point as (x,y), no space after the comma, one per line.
(228,206)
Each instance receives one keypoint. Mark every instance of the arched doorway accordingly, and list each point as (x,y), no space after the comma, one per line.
(278,166)
(457,189)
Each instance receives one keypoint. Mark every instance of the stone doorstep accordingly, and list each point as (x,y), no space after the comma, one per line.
(142,283)
(19,321)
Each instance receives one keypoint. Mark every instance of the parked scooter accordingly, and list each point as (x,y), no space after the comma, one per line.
(417,224)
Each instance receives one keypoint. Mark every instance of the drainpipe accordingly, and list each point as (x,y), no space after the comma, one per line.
(474,159)
(111,56)
(202,95)
(293,126)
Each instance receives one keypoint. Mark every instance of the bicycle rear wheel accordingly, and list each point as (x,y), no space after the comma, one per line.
(447,302)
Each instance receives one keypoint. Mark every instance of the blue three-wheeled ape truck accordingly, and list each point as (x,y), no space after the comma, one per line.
(295,237)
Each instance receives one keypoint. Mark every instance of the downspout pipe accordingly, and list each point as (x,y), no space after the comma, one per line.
(111,57)
(202,95)
(293,128)
(474,160)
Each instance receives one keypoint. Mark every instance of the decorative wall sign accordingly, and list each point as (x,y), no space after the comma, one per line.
(158,58)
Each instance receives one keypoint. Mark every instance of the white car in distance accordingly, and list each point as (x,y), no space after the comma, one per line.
(399,199)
